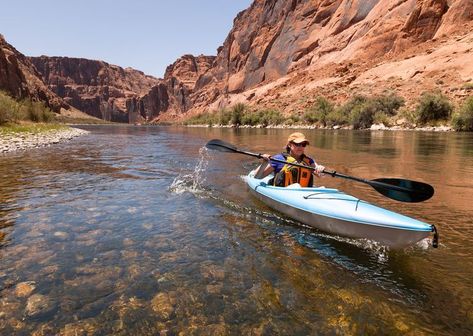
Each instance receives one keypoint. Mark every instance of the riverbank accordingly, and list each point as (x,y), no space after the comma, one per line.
(35,138)
(374,127)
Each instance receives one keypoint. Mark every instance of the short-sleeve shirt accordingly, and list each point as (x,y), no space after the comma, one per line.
(277,166)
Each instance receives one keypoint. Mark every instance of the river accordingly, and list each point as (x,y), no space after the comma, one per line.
(140,230)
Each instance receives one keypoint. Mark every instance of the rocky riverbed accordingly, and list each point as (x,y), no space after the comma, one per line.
(10,142)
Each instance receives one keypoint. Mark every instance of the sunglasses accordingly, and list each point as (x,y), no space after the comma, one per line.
(302,144)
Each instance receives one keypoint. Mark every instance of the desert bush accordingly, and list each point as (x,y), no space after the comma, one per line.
(292,120)
(319,111)
(381,118)
(34,111)
(262,117)
(362,112)
(224,116)
(337,117)
(12,110)
(463,119)
(237,112)
(362,115)
(206,118)
(388,103)
(433,106)
(251,118)
(8,107)
(271,117)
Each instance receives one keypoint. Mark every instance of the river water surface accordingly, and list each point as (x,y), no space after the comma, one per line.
(140,230)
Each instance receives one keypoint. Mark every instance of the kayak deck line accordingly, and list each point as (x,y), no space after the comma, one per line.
(336,199)
(335,191)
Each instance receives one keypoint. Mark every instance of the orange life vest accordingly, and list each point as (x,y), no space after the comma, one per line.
(290,174)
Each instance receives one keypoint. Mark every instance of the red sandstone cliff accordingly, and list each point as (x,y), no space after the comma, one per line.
(95,87)
(281,51)
(19,78)
(124,95)
(171,98)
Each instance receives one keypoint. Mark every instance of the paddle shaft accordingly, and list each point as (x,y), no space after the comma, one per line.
(331,173)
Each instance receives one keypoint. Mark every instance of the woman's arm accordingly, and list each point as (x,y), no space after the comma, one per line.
(265,168)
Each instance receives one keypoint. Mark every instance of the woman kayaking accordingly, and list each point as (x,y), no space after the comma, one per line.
(285,174)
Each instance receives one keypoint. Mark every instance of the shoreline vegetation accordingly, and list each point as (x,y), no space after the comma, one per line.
(433,112)
(26,124)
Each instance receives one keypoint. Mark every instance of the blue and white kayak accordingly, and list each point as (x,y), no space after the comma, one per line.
(335,212)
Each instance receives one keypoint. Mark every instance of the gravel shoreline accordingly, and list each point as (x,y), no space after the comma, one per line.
(22,141)
(374,127)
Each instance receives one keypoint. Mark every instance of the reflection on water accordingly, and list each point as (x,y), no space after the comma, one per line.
(139,230)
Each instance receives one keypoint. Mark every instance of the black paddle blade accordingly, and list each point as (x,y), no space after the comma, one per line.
(221,146)
(409,191)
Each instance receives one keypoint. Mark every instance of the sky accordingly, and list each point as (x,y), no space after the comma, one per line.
(146,35)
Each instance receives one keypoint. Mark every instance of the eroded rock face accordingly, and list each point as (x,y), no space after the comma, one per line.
(19,78)
(95,87)
(282,44)
(188,69)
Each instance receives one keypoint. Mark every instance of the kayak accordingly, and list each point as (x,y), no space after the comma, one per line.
(338,213)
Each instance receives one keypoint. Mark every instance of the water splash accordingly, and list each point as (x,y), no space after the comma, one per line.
(192,182)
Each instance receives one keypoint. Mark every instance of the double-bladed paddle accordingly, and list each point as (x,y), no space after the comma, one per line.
(394,188)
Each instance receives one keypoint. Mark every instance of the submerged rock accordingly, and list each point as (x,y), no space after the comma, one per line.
(163,305)
(39,305)
(24,289)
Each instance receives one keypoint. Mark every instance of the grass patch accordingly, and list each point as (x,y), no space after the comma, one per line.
(12,110)
(28,127)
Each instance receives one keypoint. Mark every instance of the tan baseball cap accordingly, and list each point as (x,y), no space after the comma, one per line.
(297,137)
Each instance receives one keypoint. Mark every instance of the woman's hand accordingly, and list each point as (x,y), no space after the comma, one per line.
(318,170)
(266,157)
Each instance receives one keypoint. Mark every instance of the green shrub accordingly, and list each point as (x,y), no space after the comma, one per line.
(362,115)
(292,119)
(271,117)
(9,108)
(381,118)
(347,113)
(34,111)
(206,118)
(251,118)
(237,112)
(224,116)
(408,114)
(319,111)
(337,117)
(433,106)
(388,104)
(13,111)
(463,119)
